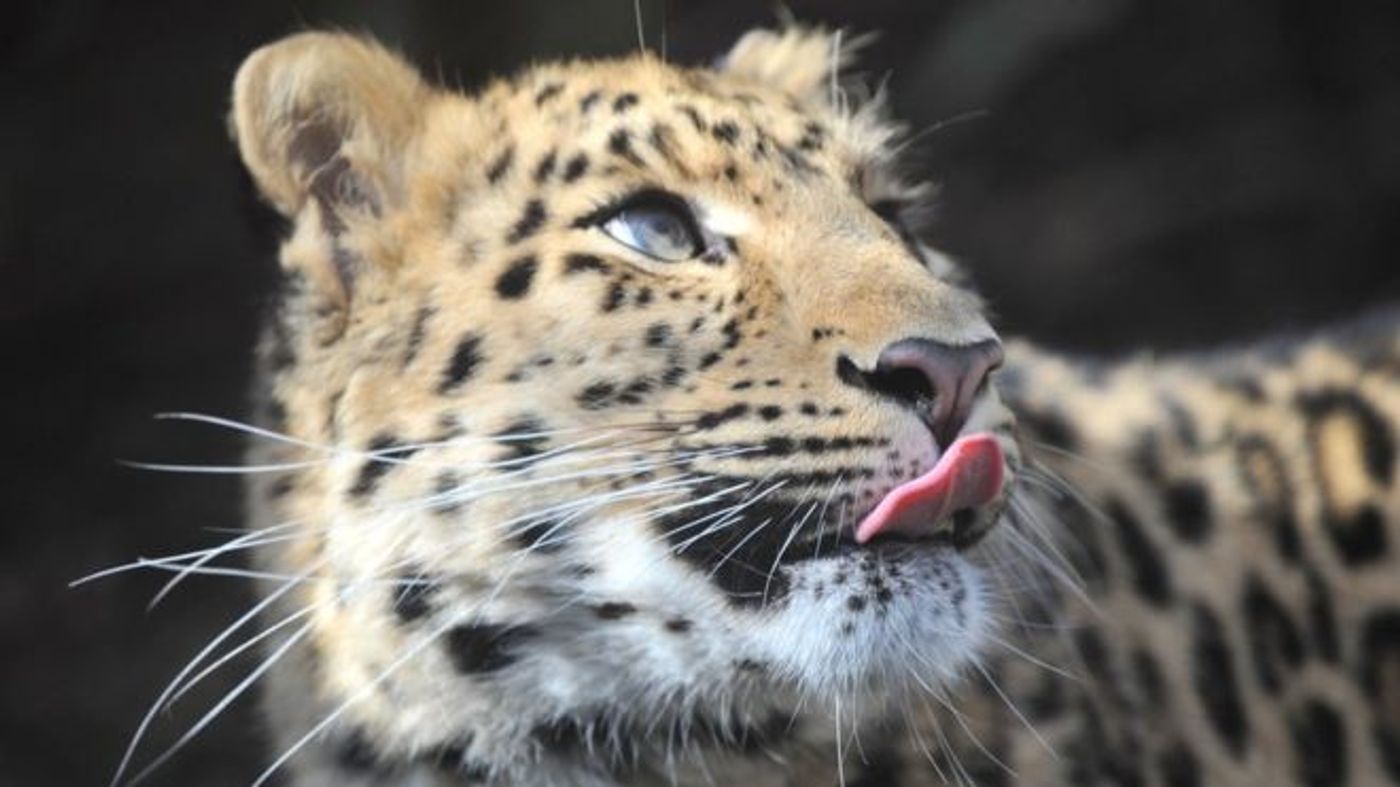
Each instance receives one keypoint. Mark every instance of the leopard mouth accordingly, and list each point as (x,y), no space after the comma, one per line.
(950,503)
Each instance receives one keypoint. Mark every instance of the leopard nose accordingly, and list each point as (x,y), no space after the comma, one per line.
(939,381)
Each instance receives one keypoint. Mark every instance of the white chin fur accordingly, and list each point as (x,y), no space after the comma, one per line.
(929,621)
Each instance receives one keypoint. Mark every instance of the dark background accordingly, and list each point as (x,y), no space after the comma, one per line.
(1146,174)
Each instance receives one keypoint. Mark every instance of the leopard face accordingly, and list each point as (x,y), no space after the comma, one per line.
(592,377)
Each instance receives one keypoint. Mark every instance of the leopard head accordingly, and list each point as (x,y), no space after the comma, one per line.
(617,396)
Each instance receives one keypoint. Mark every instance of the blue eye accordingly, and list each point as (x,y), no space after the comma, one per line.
(656,224)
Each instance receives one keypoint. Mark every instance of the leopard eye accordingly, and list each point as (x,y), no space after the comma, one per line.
(656,224)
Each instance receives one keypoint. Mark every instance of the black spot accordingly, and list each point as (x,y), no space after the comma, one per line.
(415,334)
(855,603)
(795,160)
(514,283)
(522,438)
(624,102)
(714,419)
(812,137)
(548,93)
(501,165)
(620,144)
(694,116)
(617,293)
(1319,744)
(446,493)
(1150,576)
(355,754)
(710,359)
(658,334)
(578,263)
(731,334)
(387,451)
(1274,640)
(1086,546)
(575,169)
(1322,619)
(545,167)
(596,396)
(1359,537)
(540,534)
(463,364)
(778,446)
(636,390)
(476,649)
(614,610)
(770,412)
(413,597)
(1151,687)
(1179,767)
(679,625)
(725,131)
(1049,427)
(1188,509)
(529,223)
(1217,687)
(586,103)
(1088,643)
(1379,660)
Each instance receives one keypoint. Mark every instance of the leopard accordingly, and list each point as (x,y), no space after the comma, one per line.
(618,427)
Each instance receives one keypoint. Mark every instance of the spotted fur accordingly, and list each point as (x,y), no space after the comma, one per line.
(557,512)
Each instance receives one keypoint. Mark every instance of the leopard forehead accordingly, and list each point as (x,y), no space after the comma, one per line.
(561,140)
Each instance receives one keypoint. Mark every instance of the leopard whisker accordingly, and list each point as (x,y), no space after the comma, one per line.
(258,538)
(169,690)
(787,542)
(237,650)
(1015,710)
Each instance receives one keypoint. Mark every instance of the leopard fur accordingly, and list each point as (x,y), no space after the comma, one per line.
(552,511)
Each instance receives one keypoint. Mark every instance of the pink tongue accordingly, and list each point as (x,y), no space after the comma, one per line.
(969,474)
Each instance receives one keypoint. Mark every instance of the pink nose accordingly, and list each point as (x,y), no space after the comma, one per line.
(939,380)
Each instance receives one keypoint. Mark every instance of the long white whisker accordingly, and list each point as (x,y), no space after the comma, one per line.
(223,703)
(193,664)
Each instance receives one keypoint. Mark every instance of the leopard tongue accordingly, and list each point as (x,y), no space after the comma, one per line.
(969,474)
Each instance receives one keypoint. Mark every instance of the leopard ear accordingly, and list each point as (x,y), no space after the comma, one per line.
(802,61)
(323,122)
(325,116)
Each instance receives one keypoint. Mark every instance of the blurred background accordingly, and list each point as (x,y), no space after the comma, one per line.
(1133,175)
